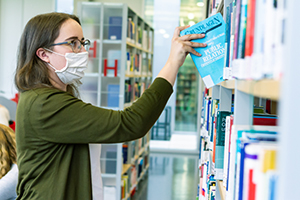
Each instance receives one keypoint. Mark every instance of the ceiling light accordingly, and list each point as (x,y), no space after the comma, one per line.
(191,23)
(166,35)
(200,4)
(191,16)
(162,31)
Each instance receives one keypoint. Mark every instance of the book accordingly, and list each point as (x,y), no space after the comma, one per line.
(220,143)
(258,48)
(128,91)
(130,30)
(250,28)
(228,32)
(237,27)
(242,30)
(269,37)
(124,185)
(264,119)
(229,123)
(125,153)
(232,162)
(251,158)
(115,28)
(259,166)
(267,175)
(128,63)
(245,138)
(210,64)
(113,95)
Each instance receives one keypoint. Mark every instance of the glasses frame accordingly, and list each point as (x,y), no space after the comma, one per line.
(85,43)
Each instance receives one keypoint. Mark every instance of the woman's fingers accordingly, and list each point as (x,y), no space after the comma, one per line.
(178,30)
(194,44)
(189,49)
(191,37)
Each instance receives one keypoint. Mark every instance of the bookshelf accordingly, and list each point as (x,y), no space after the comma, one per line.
(119,70)
(258,76)
(187,88)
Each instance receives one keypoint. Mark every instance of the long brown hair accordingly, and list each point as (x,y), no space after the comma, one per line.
(40,31)
(8,154)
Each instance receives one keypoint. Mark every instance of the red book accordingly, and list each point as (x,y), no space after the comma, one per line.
(250,28)
(264,121)
(252,186)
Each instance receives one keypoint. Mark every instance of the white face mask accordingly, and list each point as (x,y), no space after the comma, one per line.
(75,65)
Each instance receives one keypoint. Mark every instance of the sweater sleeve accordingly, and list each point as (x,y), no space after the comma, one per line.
(61,118)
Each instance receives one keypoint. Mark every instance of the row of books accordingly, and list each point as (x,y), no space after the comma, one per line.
(227,153)
(138,64)
(140,37)
(251,170)
(130,179)
(254,39)
(213,6)
(138,147)
(134,89)
(128,183)
(247,42)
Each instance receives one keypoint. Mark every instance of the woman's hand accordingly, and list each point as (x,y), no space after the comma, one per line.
(181,46)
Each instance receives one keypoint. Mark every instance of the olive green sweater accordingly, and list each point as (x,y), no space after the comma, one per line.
(53,130)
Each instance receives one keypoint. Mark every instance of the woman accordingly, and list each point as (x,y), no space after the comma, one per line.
(8,167)
(54,127)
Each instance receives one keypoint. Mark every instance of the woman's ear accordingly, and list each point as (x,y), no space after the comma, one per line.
(43,55)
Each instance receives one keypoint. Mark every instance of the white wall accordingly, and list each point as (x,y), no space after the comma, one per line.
(136,5)
(14,15)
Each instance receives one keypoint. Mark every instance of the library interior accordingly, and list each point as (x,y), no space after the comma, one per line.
(226,131)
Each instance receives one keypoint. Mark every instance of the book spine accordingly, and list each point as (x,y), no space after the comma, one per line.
(242,31)
(237,27)
(228,28)
(250,28)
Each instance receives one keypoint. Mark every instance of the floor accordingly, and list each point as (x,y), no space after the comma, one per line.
(170,177)
(173,170)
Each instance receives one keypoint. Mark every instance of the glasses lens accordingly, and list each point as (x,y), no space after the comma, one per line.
(87,45)
(76,46)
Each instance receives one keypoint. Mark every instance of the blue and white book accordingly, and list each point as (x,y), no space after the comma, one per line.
(210,64)
(115,28)
(113,95)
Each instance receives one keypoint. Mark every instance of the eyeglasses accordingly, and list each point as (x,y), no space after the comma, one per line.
(76,45)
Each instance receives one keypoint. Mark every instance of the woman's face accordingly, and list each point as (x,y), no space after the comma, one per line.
(69,31)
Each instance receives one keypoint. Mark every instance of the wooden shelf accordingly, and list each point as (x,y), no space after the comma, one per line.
(125,168)
(138,47)
(137,76)
(127,196)
(141,151)
(221,189)
(143,173)
(229,84)
(265,88)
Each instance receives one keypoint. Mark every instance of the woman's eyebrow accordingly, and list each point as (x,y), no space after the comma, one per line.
(72,37)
